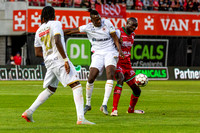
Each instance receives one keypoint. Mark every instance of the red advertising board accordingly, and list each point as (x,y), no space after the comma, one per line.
(111,11)
(19,20)
(69,19)
(167,24)
(159,24)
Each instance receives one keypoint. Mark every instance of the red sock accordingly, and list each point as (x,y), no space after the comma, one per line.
(116,96)
(133,102)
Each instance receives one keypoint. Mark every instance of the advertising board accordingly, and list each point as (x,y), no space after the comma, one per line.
(149,23)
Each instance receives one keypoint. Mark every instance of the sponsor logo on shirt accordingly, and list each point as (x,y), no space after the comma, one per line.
(102,39)
(44,31)
(126,52)
(127,44)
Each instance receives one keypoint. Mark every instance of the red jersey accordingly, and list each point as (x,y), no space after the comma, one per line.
(18,60)
(155,5)
(138,5)
(126,46)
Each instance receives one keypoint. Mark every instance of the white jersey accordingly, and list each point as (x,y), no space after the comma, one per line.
(100,37)
(45,38)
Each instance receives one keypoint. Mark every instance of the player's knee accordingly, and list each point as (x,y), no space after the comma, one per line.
(110,75)
(120,79)
(92,78)
(53,89)
(136,90)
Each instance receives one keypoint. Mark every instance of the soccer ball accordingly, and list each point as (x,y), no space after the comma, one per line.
(141,80)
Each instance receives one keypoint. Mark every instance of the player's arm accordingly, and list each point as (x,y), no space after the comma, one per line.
(118,33)
(116,41)
(71,31)
(59,46)
(38,52)
(38,46)
(121,40)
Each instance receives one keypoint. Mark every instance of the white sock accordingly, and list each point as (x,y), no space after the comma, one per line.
(42,97)
(108,90)
(89,89)
(79,101)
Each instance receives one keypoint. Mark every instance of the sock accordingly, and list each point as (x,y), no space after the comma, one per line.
(133,102)
(42,97)
(89,89)
(116,96)
(108,90)
(78,100)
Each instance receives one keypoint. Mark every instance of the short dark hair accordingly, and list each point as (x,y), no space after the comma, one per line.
(48,13)
(132,19)
(93,12)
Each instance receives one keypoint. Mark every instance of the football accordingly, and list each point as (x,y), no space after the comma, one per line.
(141,80)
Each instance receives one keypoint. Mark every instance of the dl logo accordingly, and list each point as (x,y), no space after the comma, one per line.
(78,50)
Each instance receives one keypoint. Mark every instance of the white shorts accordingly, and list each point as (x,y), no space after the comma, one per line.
(56,74)
(101,60)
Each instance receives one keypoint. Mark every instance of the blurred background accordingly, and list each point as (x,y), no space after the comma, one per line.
(166,47)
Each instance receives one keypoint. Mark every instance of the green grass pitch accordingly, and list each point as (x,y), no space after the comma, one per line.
(170,107)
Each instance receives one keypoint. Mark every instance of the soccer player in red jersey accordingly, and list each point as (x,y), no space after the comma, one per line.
(124,71)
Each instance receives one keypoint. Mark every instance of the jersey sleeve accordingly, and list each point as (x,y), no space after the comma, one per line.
(57,28)
(83,28)
(118,33)
(110,26)
(37,42)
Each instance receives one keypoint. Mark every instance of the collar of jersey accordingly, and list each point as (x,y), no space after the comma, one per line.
(125,31)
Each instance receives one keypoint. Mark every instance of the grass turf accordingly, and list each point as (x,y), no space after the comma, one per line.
(170,106)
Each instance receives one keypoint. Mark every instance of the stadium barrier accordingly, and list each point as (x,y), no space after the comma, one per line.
(37,72)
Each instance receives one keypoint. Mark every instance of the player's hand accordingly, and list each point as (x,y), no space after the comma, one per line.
(121,54)
(67,68)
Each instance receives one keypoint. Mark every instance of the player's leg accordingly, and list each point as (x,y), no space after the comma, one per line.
(134,96)
(110,70)
(51,83)
(79,102)
(89,87)
(110,65)
(117,92)
(95,68)
(72,80)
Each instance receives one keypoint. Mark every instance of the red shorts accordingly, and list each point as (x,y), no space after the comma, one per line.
(127,71)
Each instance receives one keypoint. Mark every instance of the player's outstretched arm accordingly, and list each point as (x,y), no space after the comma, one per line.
(38,52)
(71,31)
(116,40)
(61,51)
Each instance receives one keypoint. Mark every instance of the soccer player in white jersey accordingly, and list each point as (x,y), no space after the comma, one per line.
(102,36)
(49,44)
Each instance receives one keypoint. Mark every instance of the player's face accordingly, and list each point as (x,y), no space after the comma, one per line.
(131,26)
(96,20)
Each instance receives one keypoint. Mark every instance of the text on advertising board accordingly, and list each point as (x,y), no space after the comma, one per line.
(153,73)
(156,23)
(149,53)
